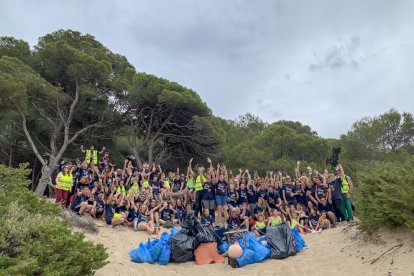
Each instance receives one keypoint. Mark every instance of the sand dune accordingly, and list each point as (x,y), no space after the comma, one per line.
(339,251)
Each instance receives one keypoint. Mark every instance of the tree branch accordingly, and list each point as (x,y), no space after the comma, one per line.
(27,134)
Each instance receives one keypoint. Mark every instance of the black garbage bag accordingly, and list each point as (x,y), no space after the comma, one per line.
(281,241)
(190,226)
(206,233)
(182,247)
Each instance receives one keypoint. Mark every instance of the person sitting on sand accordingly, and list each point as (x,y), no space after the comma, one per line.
(294,223)
(99,208)
(141,222)
(206,218)
(166,214)
(110,218)
(324,222)
(313,220)
(260,226)
(154,212)
(275,219)
(235,221)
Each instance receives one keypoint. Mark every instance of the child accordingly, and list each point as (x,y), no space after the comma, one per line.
(323,222)
(154,212)
(166,212)
(275,219)
(141,222)
(260,227)
(313,220)
(295,224)
(207,219)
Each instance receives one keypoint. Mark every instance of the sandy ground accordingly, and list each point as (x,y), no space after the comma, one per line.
(339,251)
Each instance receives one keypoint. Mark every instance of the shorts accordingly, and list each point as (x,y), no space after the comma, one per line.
(142,226)
(232,205)
(221,200)
(99,214)
(208,203)
(262,231)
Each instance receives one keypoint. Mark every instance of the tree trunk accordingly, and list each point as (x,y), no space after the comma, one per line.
(45,179)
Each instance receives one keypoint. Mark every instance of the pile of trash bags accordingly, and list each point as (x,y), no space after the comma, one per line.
(180,245)
(203,244)
(280,242)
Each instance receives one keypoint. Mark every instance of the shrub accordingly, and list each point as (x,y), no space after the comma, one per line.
(385,194)
(33,241)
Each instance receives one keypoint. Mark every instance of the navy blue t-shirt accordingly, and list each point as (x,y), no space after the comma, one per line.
(314,219)
(336,192)
(251,195)
(234,223)
(109,213)
(207,220)
(262,192)
(141,217)
(272,198)
(258,209)
(319,190)
(166,214)
(208,188)
(179,212)
(242,196)
(288,188)
(326,208)
(221,188)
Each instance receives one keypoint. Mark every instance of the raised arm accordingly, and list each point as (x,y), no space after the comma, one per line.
(82,149)
(226,175)
(297,170)
(189,169)
(102,150)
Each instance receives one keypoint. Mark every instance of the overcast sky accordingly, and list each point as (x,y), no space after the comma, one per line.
(323,63)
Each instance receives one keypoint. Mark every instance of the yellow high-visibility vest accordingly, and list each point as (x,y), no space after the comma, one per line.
(65,182)
(198,184)
(94,156)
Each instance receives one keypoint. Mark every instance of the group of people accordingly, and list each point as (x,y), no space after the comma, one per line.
(146,198)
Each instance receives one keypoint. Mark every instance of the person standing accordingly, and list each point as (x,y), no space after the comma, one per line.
(64,182)
(91,154)
(346,188)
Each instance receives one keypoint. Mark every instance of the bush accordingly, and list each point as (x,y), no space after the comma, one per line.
(33,241)
(384,196)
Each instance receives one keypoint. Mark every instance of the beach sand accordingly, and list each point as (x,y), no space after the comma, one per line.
(339,251)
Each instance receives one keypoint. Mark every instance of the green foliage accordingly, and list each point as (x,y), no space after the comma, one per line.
(373,138)
(167,121)
(33,241)
(251,143)
(384,196)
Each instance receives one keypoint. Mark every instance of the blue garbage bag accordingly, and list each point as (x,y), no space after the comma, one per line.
(141,255)
(165,255)
(262,252)
(246,258)
(165,237)
(156,249)
(300,242)
(223,248)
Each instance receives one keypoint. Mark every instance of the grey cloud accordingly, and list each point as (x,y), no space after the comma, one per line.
(338,57)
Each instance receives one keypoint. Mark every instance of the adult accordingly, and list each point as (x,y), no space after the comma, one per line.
(335,188)
(346,188)
(199,183)
(91,154)
(221,190)
(64,182)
